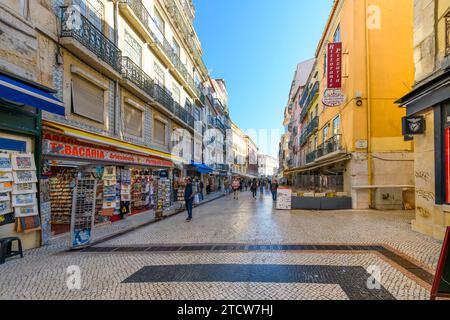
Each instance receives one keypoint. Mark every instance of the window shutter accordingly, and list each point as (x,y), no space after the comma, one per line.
(88,99)
(159,132)
(133,120)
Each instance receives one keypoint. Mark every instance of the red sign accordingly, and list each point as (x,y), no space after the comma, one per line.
(91,152)
(334,66)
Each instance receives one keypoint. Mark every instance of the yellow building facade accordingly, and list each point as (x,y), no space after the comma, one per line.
(358,148)
(429,101)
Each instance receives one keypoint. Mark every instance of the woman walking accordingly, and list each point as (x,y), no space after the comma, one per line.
(236,185)
(254,188)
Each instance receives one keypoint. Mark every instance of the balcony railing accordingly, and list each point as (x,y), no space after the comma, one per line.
(132,72)
(158,37)
(330,146)
(75,25)
(311,157)
(312,126)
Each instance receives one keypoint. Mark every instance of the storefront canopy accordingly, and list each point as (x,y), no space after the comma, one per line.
(202,168)
(19,92)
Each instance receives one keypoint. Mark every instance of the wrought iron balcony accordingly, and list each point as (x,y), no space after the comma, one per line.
(75,25)
(312,126)
(132,72)
(164,97)
(311,157)
(330,146)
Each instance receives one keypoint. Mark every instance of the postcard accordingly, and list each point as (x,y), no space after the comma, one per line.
(23,162)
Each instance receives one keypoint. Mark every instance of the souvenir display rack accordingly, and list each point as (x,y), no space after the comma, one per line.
(140,194)
(61,186)
(83,211)
(164,194)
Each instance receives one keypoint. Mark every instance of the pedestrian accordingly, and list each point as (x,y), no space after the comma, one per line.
(274,189)
(241,185)
(189,195)
(261,187)
(201,186)
(254,188)
(236,185)
(226,185)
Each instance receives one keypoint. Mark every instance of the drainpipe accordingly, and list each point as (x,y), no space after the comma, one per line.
(369,109)
(117,109)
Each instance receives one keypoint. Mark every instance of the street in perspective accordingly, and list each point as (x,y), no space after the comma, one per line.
(240,152)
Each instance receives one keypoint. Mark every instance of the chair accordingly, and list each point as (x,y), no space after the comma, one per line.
(6,248)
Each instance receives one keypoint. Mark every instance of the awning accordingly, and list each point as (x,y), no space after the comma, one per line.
(202,168)
(19,92)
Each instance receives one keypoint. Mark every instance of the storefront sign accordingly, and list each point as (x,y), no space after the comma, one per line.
(413,125)
(62,149)
(333,98)
(334,65)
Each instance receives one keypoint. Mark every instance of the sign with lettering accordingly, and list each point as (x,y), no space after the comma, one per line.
(65,150)
(333,98)
(334,65)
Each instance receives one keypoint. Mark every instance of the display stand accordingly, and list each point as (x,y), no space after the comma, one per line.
(284,199)
(83,213)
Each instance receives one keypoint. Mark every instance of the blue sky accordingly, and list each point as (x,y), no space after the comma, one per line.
(255,46)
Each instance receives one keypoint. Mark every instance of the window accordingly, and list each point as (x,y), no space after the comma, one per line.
(159,132)
(197,116)
(325,132)
(337,126)
(159,75)
(159,21)
(133,120)
(93,10)
(176,48)
(337,34)
(133,49)
(88,100)
(176,93)
(447,165)
(325,64)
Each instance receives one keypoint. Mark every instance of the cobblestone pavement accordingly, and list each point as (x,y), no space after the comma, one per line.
(42,274)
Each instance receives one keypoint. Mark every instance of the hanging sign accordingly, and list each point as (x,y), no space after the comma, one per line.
(413,125)
(333,98)
(334,66)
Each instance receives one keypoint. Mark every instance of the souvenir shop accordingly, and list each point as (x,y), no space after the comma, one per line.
(125,183)
(21,102)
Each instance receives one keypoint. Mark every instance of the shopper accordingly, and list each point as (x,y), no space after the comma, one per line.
(226,185)
(261,187)
(274,189)
(189,198)
(254,188)
(236,186)
(201,187)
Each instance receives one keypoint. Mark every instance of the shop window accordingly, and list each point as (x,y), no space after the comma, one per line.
(133,120)
(159,132)
(88,100)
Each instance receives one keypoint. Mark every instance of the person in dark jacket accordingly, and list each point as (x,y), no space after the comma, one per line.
(274,189)
(254,188)
(189,198)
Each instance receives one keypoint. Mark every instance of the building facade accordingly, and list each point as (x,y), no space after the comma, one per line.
(240,152)
(357,148)
(252,158)
(123,90)
(428,111)
(268,166)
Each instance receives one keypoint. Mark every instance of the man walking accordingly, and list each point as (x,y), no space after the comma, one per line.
(236,185)
(226,185)
(254,188)
(200,190)
(274,189)
(189,198)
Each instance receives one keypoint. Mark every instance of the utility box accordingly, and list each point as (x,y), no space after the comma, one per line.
(388,199)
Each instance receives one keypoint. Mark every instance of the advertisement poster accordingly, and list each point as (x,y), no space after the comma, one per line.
(284,199)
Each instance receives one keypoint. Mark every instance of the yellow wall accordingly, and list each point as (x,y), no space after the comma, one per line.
(391,72)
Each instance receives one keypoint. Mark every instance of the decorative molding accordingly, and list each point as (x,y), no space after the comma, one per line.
(89,77)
